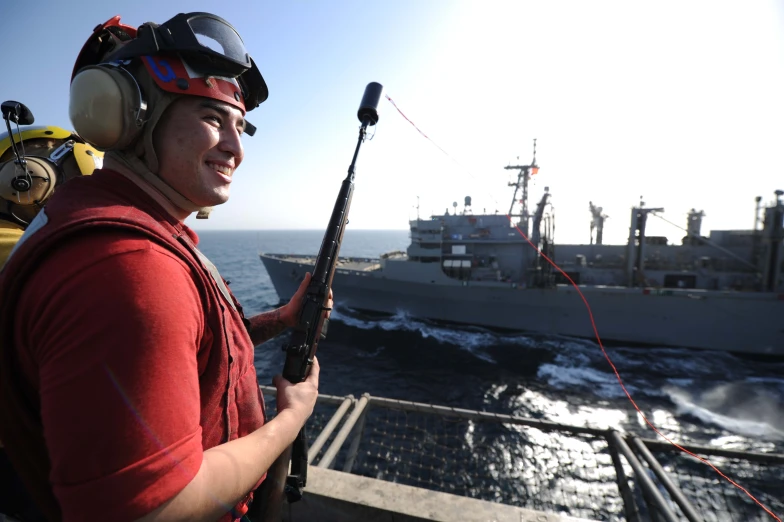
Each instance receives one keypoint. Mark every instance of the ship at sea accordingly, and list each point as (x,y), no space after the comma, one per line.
(720,292)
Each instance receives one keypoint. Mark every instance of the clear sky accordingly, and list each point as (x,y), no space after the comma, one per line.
(681,102)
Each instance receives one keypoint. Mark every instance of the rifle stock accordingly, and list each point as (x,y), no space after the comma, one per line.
(281,483)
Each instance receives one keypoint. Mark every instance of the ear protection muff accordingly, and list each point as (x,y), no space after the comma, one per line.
(27,185)
(107,107)
(87,158)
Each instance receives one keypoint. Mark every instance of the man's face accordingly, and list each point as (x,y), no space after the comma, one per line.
(198,144)
(41,147)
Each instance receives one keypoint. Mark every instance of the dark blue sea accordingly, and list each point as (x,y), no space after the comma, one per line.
(709,398)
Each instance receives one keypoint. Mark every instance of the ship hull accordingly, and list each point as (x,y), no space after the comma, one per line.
(739,322)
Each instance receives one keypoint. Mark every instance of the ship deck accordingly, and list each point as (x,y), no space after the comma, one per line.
(361,264)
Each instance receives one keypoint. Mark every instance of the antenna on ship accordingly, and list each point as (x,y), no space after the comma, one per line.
(597,222)
(533,161)
(525,172)
(757,200)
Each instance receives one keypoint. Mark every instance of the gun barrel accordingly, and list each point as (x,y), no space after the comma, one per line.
(301,348)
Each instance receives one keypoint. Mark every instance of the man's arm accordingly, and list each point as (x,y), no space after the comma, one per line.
(232,469)
(267,325)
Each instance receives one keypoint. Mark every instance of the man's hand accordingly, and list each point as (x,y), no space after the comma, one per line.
(267,325)
(290,311)
(300,398)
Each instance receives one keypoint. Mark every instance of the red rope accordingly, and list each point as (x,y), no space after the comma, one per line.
(599,340)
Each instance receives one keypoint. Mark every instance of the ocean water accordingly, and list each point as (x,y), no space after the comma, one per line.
(708,398)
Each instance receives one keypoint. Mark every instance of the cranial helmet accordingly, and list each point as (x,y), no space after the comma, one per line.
(51,156)
(125,78)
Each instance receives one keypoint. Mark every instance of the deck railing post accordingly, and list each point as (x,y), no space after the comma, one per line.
(656,502)
(329,428)
(359,432)
(340,438)
(631,510)
(676,494)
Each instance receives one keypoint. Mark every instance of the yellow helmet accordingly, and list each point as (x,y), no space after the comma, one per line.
(52,156)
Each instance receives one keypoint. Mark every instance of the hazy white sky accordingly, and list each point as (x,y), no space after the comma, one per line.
(678,101)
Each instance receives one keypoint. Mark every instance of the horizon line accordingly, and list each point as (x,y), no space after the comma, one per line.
(293,229)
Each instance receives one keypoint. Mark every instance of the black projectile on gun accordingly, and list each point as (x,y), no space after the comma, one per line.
(311,328)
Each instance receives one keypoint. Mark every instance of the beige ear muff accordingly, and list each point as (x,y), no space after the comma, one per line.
(27,188)
(106,106)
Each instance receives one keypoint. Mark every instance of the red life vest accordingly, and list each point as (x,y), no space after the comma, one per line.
(103,201)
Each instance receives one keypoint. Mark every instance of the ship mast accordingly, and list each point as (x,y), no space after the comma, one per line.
(597,222)
(525,172)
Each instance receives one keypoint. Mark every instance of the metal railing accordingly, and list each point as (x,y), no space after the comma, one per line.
(586,472)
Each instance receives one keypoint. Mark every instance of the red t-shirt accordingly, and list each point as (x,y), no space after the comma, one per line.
(111,330)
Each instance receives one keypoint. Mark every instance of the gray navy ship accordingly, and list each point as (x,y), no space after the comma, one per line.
(721,292)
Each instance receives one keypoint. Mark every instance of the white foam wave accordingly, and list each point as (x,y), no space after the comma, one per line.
(663,360)
(473,342)
(681,382)
(775,381)
(732,420)
(602,384)
(576,367)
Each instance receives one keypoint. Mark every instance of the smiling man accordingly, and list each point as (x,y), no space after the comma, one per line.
(127,384)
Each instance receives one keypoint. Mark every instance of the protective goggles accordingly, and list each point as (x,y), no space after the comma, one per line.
(209,44)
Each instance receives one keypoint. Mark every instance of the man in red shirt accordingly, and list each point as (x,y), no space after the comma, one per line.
(127,385)
(34,161)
